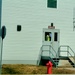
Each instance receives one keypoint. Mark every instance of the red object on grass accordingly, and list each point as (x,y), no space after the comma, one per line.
(49,67)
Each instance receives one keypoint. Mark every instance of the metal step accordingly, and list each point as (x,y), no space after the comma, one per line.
(63,57)
(71,62)
(45,57)
(56,60)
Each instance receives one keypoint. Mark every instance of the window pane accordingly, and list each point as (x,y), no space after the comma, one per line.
(52,3)
(48,36)
(55,36)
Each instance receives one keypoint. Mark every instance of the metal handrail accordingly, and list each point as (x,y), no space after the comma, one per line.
(70,54)
(39,58)
(69,50)
(50,51)
(53,49)
(68,47)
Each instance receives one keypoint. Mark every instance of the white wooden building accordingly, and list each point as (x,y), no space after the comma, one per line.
(22,46)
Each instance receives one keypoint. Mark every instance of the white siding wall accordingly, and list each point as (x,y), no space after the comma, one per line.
(33,16)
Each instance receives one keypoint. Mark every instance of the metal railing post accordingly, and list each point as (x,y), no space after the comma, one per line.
(59,51)
(68,51)
(49,51)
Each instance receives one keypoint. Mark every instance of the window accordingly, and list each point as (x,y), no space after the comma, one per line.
(55,36)
(48,36)
(52,3)
(18,27)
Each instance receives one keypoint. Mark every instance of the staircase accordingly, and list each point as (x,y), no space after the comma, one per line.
(44,59)
(67,61)
(70,56)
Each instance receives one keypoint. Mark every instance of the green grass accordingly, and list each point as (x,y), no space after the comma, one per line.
(32,69)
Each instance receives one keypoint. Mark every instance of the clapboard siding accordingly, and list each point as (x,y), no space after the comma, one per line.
(33,16)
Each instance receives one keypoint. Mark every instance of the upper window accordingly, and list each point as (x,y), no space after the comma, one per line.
(52,3)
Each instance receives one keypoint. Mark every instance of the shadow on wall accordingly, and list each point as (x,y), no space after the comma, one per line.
(3,30)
